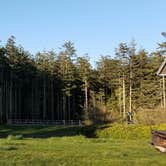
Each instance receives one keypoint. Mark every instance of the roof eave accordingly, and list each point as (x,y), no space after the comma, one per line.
(161,68)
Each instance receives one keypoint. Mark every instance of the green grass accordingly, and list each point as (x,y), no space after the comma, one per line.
(66,147)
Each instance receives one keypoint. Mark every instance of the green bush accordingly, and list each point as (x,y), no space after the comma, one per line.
(125,131)
(89,131)
(14,137)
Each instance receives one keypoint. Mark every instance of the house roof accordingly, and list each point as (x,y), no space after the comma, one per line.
(162,70)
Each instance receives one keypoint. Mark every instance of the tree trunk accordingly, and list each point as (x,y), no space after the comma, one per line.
(86,95)
(44,99)
(124,98)
(7,100)
(130,93)
(1,104)
(37,100)
(69,109)
(2,86)
(19,102)
(15,102)
(73,106)
(120,97)
(32,102)
(94,99)
(64,106)
(11,98)
(57,106)
(52,100)
(161,95)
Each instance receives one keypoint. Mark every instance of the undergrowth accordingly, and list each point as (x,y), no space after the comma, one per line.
(125,131)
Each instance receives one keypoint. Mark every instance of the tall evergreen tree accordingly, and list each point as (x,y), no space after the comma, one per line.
(67,72)
(123,56)
(84,71)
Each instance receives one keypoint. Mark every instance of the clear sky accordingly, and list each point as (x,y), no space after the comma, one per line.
(95,26)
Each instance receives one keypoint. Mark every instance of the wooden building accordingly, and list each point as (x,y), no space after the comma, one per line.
(159,137)
(162,72)
(159,140)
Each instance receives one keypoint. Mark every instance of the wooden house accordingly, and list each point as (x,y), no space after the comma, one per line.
(159,137)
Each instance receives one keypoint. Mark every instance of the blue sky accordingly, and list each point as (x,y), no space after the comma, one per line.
(95,26)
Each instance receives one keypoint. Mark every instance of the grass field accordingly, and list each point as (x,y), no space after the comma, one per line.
(67,146)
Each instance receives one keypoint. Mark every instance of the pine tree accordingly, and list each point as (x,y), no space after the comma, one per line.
(67,72)
(84,71)
(123,56)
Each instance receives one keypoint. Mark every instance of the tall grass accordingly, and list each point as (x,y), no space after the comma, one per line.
(150,116)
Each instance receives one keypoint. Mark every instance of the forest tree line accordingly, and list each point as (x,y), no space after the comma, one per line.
(64,86)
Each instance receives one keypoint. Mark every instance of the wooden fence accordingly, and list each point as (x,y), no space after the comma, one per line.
(43,122)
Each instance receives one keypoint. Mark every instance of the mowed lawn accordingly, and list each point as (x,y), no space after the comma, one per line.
(66,146)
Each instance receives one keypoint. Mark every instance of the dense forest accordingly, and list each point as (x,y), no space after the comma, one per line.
(64,86)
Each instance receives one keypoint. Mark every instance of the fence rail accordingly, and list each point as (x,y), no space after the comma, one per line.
(43,122)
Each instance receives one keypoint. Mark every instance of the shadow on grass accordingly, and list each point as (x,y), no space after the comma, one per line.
(48,131)
(8,148)
(39,131)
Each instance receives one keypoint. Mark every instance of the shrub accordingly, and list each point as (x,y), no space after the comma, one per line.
(125,131)
(14,137)
(96,116)
(89,131)
(152,117)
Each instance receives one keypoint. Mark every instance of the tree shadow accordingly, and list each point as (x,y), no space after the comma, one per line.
(49,131)
(58,132)
(39,131)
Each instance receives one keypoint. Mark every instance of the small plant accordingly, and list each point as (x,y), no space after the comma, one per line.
(14,137)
